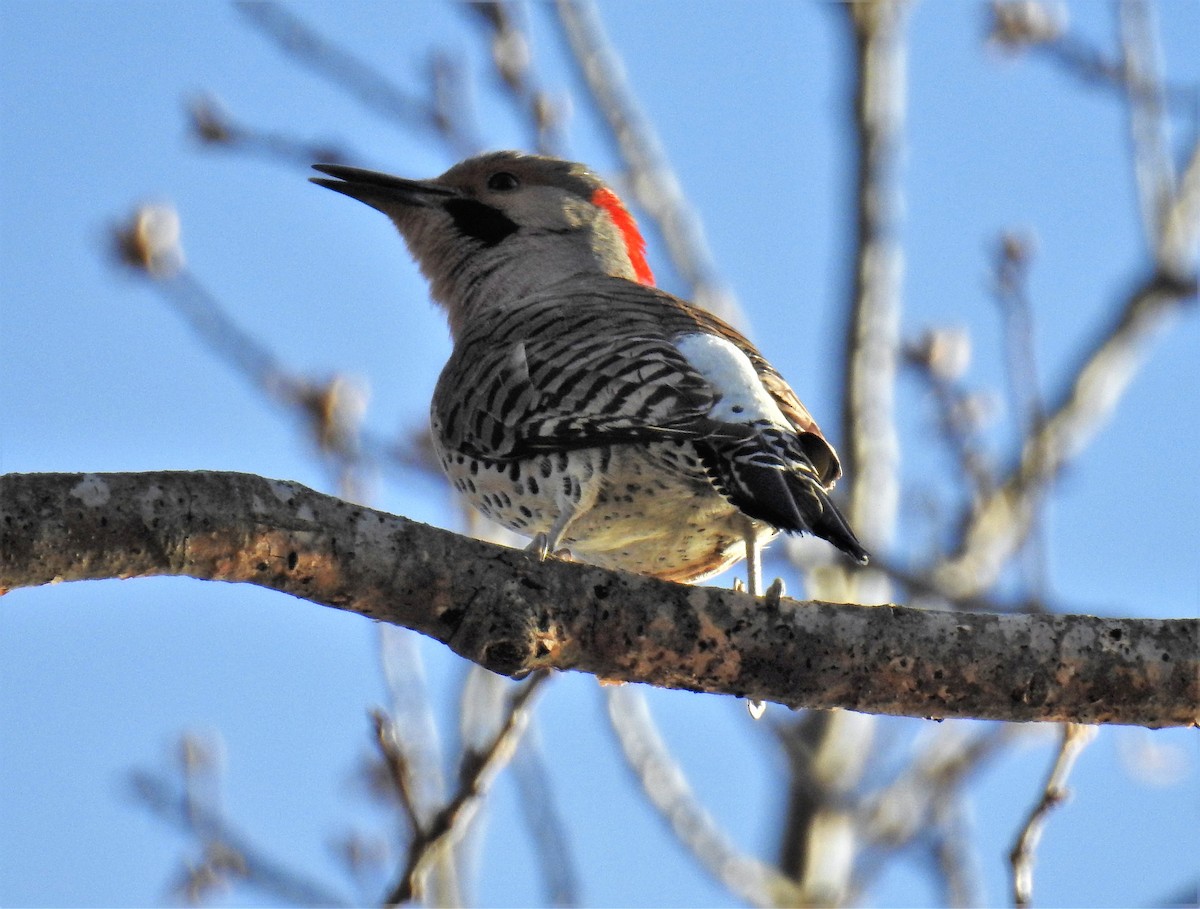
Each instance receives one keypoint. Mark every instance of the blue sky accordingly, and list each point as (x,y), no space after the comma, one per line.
(749,99)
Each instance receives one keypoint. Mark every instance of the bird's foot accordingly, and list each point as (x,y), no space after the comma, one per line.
(775,593)
(772,595)
(540,547)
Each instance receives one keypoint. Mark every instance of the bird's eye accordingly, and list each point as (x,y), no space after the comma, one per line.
(503,181)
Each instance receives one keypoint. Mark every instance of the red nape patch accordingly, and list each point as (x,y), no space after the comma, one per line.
(635,245)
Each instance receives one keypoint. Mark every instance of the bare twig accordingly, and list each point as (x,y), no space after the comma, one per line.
(511,57)
(331,409)
(548,828)
(1153,169)
(231,851)
(666,787)
(359,79)
(212,125)
(820,831)
(505,610)
(476,774)
(651,178)
(872,336)
(419,750)
(939,358)
(1001,523)
(1019,25)
(399,772)
(1074,739)
(954,856)
(1013,258)
(900,811)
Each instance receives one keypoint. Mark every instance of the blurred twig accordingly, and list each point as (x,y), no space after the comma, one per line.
(477,771)
(511,57)
(1041,28)
(1001,523)
(1153,169)
(1013,257)
(871,448)
(940,358)
(997,529)
(227,853)
(332,409)
(650,177)
(213,126)
(953,852)
(820,838)
(666,787)
(548,828)
(1074,739)
(360,80)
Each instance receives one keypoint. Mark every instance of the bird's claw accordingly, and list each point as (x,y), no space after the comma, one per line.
(539,546)
(775,593)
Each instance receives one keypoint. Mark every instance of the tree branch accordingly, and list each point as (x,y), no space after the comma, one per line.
(509,613)
(1074,739)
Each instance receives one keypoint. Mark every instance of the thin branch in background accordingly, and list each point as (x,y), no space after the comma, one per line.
(871,341)
(820,828)
(331,409)
(399,772)
(939,358)
(664,783)
(365,858)
(411,716)
(954,856)
(358,79)
(653,182)
(1016,26)
(1013,257)
(896,815)
(1153,169)
(547,827)
(1181,226)
(211,125)
(998,528)
(511,56)
(477,772)
(1074,739)
(227,854)
(420,749)
(1000,525)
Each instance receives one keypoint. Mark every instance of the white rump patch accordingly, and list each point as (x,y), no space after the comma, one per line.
(744,399)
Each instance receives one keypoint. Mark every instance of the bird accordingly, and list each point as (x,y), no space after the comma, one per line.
(583,407)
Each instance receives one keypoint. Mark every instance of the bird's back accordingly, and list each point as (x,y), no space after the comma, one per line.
(590,395)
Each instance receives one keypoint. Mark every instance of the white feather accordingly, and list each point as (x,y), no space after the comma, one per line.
(743,399)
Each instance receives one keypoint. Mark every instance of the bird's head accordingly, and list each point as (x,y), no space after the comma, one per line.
(502,225)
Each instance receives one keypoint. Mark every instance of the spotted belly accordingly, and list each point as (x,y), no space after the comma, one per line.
(647,508)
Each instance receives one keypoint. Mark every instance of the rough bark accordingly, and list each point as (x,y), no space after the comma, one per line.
(504,610)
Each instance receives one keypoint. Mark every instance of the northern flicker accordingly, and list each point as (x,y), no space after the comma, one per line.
(583,407)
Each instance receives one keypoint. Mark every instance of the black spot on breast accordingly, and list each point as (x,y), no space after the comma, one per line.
(484,223)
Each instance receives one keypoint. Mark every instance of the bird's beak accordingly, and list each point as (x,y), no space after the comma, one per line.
(382,192)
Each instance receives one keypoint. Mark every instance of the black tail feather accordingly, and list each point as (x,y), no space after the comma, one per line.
(786,496)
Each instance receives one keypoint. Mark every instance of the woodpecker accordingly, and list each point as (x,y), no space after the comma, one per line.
(583,407)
